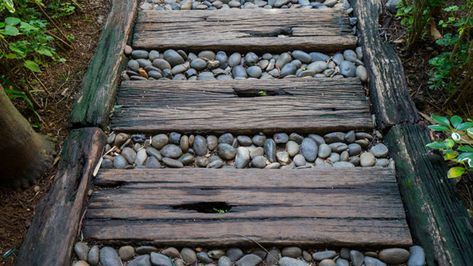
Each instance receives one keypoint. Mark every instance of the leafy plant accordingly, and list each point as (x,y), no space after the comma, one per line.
(221,211)
(455,143)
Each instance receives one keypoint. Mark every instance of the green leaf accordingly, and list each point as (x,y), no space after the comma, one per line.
(456,172)
(456,120)
(437,145)
(12,21)
(45,51)
(32,66)
(464,126)
(438,128)
(466,148)
(449,142)
(442,120)
(11,30)
(10,6)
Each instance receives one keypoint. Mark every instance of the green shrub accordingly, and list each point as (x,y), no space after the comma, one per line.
(455,143)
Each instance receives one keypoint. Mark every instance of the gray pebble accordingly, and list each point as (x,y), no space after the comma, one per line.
(249,260)
(143,260)
(160,260)
(242,158)
(299,160)
(171,150)
(287,261)
(93,256)
(394,255)
(367,159)
(321,255)
(417,256)
(109,257)
(173,163)
(200,145)
(82,250)
(259,140)
(369,261)
(244,140)
(347,69)
(234,254)
(173,57)
(226,151)
(120,162)
(188,255)
(356,257)
(309,149)
(293,252)
(270,149)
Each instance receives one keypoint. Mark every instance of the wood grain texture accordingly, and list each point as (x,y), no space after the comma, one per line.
(100,82)
(305,105)
(356,207)
(52,233)
(388,87)
(243,29)
(438,218)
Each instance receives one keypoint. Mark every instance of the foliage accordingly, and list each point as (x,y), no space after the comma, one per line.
(25,35)
(451,27)
(456,143)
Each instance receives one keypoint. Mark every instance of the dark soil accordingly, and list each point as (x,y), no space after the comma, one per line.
(428,101)
(60,84)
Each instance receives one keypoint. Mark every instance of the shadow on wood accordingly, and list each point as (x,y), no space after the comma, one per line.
(56,221)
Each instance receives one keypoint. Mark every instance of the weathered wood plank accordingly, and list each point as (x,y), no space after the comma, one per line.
(99,84)
(305,105)
(388,87)
(438,218)
(51,236)
(359,206)
(237,29)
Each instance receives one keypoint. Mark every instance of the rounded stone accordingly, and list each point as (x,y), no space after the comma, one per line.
(126,252)
(292,148)
(317,66)
(282,157)
(417,256)
(204,257)
(109,257)
(288,69)
(133,65)
(299,160)
(362,73)
(212,142)
(234,59)
(82,250)
(394,255)
(324,151)
(288,261)
(347,69)
(309,149)
(80,263)
(270,149)
(356,257)
(239,72)
(159,141)
(160,260)
(234,254)
(198,64)
(226,151)
(161,64)
(226,138)
(171,151)
(321,255)
(249,260)
(354,149)
(173,57)
(283,59)
(200,145)
(209,55)
(281,138)
(172,163)
(171,252)
(224,261)
(188,255)
(120,162)
(258,162)
(367,159)
(302,56)
(369,261)
(327,262)
(254,71)
(293,252)
(379,150)
(93,256)
(251,59)
(259,140)
(244,140)
(242,158)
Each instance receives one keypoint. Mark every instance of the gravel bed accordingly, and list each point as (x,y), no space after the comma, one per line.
(287,256)
(336,149)
(210,65)
(244,4)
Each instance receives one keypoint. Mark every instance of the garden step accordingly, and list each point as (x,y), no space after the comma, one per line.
(322,206)
(242,106)
(273,30)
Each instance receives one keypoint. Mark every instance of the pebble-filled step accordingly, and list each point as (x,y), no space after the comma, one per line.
(336,149)
(245,4)
(287,256)
(210,65)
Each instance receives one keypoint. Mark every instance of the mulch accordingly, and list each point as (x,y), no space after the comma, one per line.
(60,84)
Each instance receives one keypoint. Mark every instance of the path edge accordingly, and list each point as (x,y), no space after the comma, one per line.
(100,82)
(437,217)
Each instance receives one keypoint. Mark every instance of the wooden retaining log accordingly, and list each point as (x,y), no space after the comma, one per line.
(438,218)
(388,87)
(56,222)
(99,85)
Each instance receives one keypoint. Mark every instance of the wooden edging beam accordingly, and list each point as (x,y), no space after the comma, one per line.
(437,217)
(93,106)
(54,228)
(392,104)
